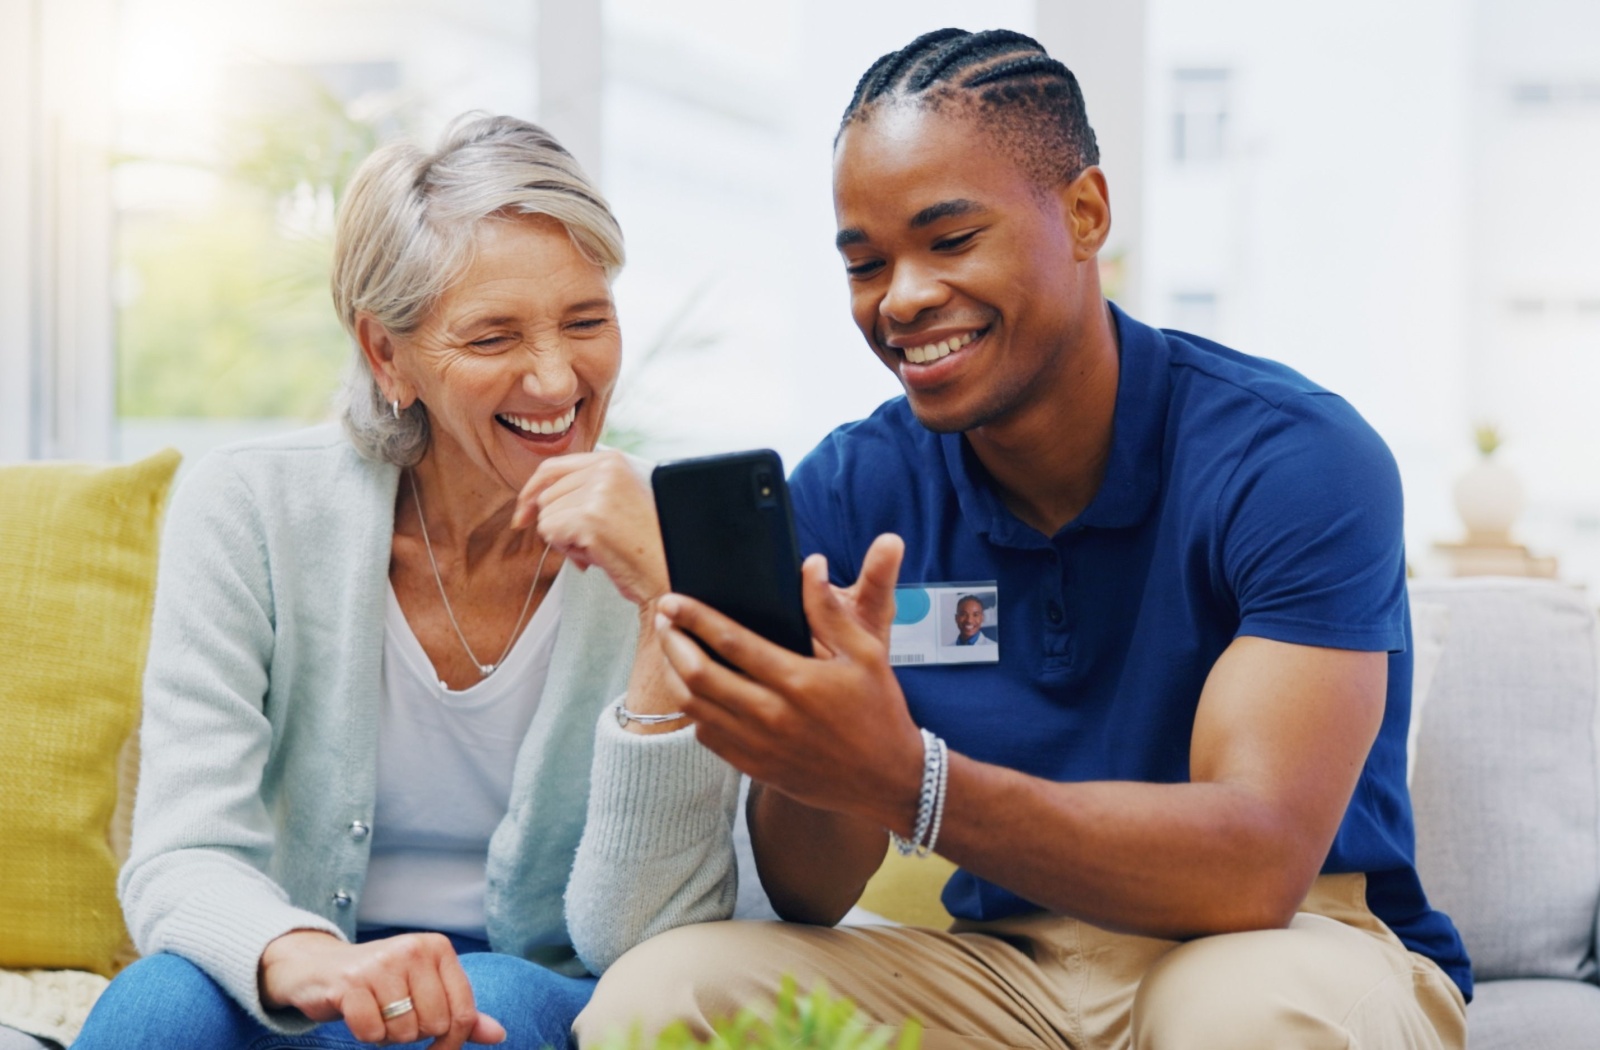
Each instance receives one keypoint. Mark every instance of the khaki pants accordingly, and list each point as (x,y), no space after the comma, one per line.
(1336,977)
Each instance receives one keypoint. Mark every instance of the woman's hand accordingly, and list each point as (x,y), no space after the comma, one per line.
(327,979)
(595,510)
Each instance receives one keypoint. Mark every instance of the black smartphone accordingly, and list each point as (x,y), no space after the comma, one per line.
(729,535)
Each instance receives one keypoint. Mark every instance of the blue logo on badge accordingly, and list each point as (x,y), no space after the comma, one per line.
(911,605)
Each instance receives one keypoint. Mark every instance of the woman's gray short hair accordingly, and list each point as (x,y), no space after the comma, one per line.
(406,231)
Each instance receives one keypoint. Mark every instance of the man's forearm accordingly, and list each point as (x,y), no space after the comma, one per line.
(813,863)
(1164,860)
(1279,741)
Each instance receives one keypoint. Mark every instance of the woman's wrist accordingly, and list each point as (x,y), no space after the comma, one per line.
(652,689)
(280,950)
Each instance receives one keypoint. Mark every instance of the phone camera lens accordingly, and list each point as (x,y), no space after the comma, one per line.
(765,487)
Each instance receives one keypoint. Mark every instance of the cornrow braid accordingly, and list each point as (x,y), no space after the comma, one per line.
(1031,66)
(966,52)
(1031,102)
(881,75)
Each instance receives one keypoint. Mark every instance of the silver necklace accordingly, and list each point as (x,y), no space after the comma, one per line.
(485,670)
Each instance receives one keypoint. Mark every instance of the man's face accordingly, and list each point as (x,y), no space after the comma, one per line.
(969,617)
(961,267)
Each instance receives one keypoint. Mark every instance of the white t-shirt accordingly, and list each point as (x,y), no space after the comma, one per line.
(445,761)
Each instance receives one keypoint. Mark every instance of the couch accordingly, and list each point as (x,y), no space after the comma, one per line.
(1506,789)
(1506,772)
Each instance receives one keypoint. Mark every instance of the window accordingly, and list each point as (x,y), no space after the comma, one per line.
(1549,95)
(1199,115)
(236,130)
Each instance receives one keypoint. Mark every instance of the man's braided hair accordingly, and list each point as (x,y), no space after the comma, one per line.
(1029,101)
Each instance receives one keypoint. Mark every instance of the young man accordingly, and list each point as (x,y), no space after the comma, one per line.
(969,622)
(1177,798)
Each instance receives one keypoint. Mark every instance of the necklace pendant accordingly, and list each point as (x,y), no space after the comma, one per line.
(486,669)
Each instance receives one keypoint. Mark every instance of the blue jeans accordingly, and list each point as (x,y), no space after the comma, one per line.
(166,1002)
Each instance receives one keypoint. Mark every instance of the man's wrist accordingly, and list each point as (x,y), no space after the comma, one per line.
(924,835)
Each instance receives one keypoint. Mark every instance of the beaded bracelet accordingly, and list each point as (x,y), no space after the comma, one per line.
(930,800)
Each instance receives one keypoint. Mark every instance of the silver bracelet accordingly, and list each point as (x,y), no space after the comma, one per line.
(938,802)
(624,716)
(930,800)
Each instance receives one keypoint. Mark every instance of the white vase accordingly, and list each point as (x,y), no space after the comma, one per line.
(1489,498)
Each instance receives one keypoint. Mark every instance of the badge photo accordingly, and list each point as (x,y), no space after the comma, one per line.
(945,623)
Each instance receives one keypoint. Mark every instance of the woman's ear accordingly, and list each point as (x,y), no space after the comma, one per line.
(377,345)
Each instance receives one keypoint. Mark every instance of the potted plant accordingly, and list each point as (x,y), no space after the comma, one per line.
(1489,496)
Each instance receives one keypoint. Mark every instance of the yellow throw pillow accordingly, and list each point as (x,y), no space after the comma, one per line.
(77,578)
(906,890)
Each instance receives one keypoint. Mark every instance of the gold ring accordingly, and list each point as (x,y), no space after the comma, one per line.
(398,1008)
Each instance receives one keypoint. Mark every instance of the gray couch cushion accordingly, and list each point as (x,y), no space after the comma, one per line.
(1522,1015)
(1506,787)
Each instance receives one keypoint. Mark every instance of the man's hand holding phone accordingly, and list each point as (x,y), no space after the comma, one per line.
(831,730)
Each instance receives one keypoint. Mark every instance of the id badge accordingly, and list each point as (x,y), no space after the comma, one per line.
(945,623)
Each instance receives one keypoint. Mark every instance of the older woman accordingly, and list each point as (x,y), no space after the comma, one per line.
(375,673)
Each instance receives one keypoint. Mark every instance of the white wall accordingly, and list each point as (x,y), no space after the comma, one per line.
(1390,221)
(1333,231)
(1107,48)
(1533,228)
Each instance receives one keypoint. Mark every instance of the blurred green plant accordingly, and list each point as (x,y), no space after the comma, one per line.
(1487,437)
(225,321)
(309,139)
(815,1021)
(226,313)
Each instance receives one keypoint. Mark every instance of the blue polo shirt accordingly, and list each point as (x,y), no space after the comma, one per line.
(1239,499)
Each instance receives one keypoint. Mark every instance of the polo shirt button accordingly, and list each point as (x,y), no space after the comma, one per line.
(1053,613)
(341,899)
(359,830)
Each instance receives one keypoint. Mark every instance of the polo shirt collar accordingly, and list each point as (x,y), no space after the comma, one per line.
(1133,472)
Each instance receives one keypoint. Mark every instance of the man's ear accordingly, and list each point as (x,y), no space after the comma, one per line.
(377,345)
(1087,202)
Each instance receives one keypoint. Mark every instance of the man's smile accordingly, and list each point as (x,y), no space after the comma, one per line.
(927,352)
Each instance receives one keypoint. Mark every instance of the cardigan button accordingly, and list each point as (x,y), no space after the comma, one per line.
(341,899)
(359,830)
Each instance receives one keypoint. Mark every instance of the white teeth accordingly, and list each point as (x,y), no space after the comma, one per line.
(529,425)
(920,355)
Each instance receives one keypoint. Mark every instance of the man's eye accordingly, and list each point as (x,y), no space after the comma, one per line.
(865,269)
(588,323)
(493,342)
(944,244)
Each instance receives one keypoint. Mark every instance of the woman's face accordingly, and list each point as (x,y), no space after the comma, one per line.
(517,360)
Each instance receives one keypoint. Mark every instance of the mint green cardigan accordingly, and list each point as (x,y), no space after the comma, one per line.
(260,732)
